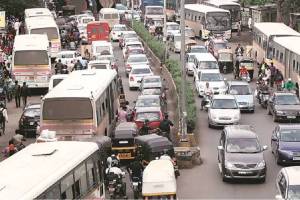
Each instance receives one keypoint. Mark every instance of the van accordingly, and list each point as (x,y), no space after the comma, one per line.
(97,30)
(204,61)
(99,64)
(101,48)
(111,15)
(56,79)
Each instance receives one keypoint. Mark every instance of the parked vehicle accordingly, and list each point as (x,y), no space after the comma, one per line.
(225,60)
(240,154)
(287,183)
(285,144)
(284,106)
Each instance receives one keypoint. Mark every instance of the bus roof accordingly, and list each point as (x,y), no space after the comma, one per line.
(291,43)
(275,29)
(31,42)
(38,12)
(108,10)
(40,22)
(83,84)
(203,8)
(222,2)
(28,173)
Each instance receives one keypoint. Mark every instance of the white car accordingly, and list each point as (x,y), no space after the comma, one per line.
(189,65)
(215,80)
(136,44)
(136,75)
(116,31)
(99,64)
(172,28)
(67,57)
(223,110)
(135,59)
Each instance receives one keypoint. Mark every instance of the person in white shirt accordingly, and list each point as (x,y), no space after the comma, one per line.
(250,23)
(17,26)
(4,116)
(207,92)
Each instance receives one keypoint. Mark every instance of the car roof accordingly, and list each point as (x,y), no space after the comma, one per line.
(205,57)
(171,23)
(99,62)
(210,71)
(289,126)
(293,174)
(119,25)
(240,131)
(237,83)
(150,77)
(223,96)
(137,55)
(142,66)
(148,97)
(147,109)
(33,106)
(283,93)
(198,46)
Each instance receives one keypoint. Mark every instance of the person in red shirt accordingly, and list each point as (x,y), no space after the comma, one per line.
(243,71)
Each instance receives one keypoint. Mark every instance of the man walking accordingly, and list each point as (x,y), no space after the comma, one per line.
(17,89)
(273,71)
(24,93)
(165,125)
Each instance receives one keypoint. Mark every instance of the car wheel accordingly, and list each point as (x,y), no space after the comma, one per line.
(252,111)
(209,124)
(275,118)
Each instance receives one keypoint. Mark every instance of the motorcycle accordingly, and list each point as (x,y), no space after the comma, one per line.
(136,187)
(207,101)
(245,77)
(116,187)
(264,98)
(64,70)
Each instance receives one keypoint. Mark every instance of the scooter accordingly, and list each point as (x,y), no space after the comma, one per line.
(116,186)
(136,187)
(264,98)
(207,101)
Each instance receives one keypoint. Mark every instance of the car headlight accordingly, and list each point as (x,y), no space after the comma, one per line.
(228,165)
(261,164)
(279,112)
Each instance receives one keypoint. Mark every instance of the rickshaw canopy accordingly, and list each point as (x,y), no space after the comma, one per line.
(154,143)
(225,55)
(159,179)
(125,130)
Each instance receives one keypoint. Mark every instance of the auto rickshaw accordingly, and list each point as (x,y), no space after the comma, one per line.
(159,181)
(189,43)
(123,140)
(249,63)
(225,60)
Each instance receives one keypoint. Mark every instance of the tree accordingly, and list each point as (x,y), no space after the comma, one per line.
(17,7)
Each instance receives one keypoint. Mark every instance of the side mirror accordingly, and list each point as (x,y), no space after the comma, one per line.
(220,148)
(265,147)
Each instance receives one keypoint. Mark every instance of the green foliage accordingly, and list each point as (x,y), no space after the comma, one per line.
(256,2)
(17,7)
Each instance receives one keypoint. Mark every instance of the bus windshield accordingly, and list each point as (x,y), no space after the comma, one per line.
(235,12)
(51,32)
(36,57)
(67,109)
(155,11)
(218,21)
(111,16)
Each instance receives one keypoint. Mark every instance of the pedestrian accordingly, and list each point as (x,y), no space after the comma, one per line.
(58,67)
(250,23)
(278,79)
(87,54)
(3,117)
(165,125)
(273,71)
(239,28)
(78,65)
(10,149)
(17,26)
(122,114)
(24,93)
(17,93)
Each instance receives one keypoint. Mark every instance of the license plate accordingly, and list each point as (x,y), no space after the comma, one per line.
(296,158)
(124,155)
(243,172)
(31,123)
(291,117)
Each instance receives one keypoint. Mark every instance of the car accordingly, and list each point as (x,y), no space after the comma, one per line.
(189,64)
(240,154)
(136,44)
(135,59)
(134,50)
(189,32)
(99,64)
(151,82)
(152,91)
(288,183)
(175,42)
(113,60)
(198,49)
(136,75)
(243,94)
(172,28)
(117,31)
(153,114)
(124,35)
(222,111)
(135,14)
(217,44)
(284,106)
(285,144)
(67,57)
(204,61)
(215,80)
(29,120)
(150,101)
(121,8)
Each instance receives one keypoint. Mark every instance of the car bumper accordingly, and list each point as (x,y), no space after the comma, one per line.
(190,72)
(219,91)
(177,50)
(288,118)
(115,37)
(245,173)
(133,84)
(37,85)
(288,158)
(246,107)
(221,123)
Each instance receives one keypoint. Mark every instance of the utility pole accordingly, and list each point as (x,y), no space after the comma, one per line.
(183,78)
(165,30)
(132,14)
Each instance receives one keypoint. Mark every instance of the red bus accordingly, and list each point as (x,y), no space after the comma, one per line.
(97,30)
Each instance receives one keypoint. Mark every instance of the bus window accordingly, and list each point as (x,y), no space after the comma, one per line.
(67,187)
(52,193)
(91,172)
(81,179)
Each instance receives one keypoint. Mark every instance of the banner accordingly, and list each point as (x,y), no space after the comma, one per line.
(2,19)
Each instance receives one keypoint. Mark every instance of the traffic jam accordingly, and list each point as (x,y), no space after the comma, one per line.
(87,104)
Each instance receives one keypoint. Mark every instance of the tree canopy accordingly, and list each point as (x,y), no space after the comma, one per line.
(17,7)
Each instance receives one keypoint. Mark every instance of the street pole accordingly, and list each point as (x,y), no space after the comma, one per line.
(165,30)
(183,78)
(132,14)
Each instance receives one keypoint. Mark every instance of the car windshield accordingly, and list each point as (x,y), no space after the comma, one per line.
(32,112)
(98,66)
(242,145)
(110,58)
(153,102)
(240,90)
(218,21)
(173,27)
(208,65)
(177,38)
(287,100)
(152,80)
(134,59)
(209,77)
(151,116)
(198,50)
(134,46)
(290,135)
(224,104)
(119,28)
(293,192)
(220,45)
(155,91)
(130,35)
(141,71)
(191,58)
(154,11)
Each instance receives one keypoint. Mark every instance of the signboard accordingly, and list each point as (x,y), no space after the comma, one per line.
(2,19)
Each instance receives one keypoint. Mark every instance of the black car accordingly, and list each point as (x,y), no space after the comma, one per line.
(284,106)
(285,144)
(240,155)
(29,120)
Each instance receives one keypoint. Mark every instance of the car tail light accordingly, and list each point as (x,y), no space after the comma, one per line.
(128,66)
(131,78)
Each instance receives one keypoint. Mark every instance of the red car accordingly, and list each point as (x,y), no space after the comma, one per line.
(153,114)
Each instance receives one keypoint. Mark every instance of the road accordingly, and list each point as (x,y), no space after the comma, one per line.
(205,181)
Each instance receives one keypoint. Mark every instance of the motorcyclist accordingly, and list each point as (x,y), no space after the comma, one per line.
(78,65)
(164,126)
(207,93)
(135,169)
(262,89)
(243,72)
(113,161)
(145,128)
(289,85)
(58,67)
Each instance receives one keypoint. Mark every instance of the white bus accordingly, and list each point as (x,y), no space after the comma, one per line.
(37,12)
(205,20)
(30,60)
(111,15)
(154,12)
(45,25)
(286,56)
(233,7)
(54,170)
(82,105)
(263,34)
